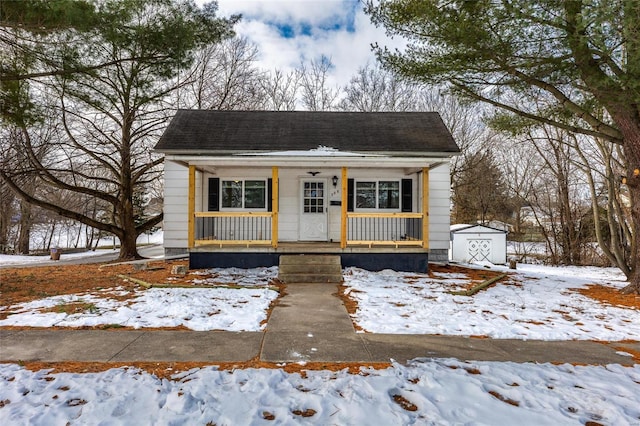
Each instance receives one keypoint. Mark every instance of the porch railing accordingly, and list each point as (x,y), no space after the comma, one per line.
(255,228)
(239,228)
(397,229)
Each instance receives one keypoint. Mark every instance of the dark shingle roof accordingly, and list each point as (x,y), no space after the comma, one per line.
(217,132)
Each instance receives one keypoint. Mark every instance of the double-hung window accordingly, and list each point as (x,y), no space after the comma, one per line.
(377,194)
(244,194)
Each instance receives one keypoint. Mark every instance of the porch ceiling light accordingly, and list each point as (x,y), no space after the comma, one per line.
(334,179)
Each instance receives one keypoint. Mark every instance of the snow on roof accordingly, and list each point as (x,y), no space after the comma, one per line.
(320,151)
(457,226)
(463,227)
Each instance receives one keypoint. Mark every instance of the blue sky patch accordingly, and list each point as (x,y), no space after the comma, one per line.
(285,31)
(344,21)
(350,16)
(304,28)
(293,30)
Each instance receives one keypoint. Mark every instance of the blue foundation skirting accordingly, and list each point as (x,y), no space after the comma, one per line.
(407,262)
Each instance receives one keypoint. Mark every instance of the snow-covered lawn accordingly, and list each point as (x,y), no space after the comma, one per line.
(536,303)
(197,309)
(15,259)
(429,392)
(200,309)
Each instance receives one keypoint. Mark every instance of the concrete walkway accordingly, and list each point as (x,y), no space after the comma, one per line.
(309,324)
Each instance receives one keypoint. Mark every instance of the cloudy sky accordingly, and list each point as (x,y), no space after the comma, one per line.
(288,31)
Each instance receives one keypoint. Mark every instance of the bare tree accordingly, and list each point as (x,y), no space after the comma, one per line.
(465,122)
(603,164)
(315,90)
(280,90)
(560,197)
(521,166)
(225,77)
(15,160)
(376,89)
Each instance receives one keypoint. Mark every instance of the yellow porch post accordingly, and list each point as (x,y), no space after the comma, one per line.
(191,207)
(343,204)
(425,207)
(274,206)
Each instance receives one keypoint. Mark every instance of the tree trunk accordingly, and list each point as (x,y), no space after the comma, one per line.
(634,283)
(25,228)
(50,235)
(5,220)
(128,246)
(630,128)
(128,236)
(88,235)
(6,199)
(634,192)
(77,242)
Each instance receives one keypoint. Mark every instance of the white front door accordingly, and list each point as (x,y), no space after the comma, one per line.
(313,210)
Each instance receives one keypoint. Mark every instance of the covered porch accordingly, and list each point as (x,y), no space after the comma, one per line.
(371,240)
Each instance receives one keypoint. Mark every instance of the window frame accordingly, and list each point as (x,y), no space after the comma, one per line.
(265,181)
(377,208)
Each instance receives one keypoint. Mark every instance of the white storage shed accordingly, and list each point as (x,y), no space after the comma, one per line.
(478,243)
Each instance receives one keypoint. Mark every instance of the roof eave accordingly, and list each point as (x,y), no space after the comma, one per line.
(313,161)
(271,154)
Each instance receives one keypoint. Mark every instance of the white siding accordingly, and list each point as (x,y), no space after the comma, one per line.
(176,199)
(176,184)
(288,212)
(439,207)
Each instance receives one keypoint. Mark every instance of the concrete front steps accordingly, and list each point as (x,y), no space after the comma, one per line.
(310,268)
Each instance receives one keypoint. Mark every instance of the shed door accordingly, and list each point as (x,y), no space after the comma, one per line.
(479,250)
(313,210)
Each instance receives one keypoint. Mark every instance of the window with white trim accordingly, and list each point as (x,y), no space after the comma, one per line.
(377,194)
(243,194)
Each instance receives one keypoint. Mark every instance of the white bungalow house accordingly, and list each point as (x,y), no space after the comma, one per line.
(243,187)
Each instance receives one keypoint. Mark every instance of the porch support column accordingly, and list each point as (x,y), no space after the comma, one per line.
(425,207)
(343,209)
(191,207)
(275,185)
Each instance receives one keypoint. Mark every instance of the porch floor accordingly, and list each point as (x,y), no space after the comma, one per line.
(306,247)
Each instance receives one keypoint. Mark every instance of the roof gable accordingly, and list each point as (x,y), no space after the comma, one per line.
(231,132)
(475,229)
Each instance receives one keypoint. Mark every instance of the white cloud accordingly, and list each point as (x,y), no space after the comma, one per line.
(314,12)
(288,31)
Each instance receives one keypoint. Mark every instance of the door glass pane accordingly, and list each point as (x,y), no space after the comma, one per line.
(254,194)
(365,195)
(313,197)
(232,194)
(388,194)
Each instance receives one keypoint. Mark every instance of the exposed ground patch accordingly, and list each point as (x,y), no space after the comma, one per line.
(166,370)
